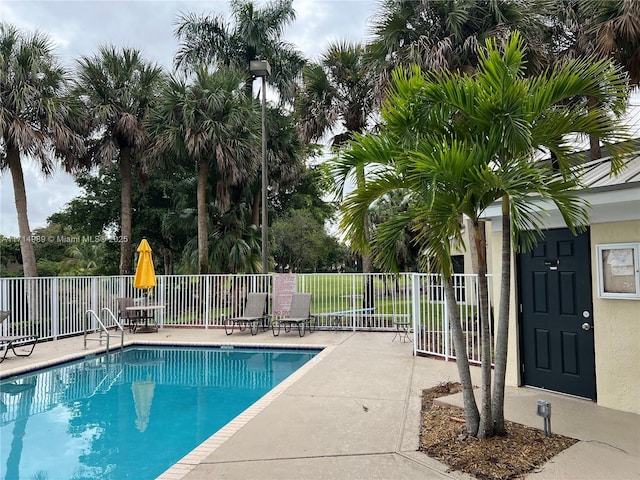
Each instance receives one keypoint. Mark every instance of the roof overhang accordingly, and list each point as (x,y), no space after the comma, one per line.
(611,199)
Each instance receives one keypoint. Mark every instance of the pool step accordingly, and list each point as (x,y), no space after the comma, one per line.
(111,372)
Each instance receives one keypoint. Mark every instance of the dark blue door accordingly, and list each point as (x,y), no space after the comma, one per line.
(556,314)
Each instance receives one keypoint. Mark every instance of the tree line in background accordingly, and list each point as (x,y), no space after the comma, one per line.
(174,156)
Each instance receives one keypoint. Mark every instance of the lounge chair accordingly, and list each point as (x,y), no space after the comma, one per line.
(254,315)
(11,342)
(299,315)
(128,317)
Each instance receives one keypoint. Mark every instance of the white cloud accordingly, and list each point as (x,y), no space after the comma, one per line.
(322,22)
(45,195)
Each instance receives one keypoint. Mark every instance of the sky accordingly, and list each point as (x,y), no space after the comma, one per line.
(79,27)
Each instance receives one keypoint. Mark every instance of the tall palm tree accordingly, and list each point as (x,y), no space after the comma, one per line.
(617,33)
(37,118)
(337,96)
(599,29)
(211,124)
(252,33)
(443,34)
(118,87)
(456,144)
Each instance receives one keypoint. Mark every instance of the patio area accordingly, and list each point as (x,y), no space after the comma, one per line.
(354,412)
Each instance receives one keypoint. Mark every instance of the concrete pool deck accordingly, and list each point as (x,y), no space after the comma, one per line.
(353,412)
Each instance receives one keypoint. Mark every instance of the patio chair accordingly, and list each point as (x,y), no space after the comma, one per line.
(254,315)
(11,342)
(127,317)
(299,315)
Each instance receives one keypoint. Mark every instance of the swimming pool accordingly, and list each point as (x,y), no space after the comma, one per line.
(131,414)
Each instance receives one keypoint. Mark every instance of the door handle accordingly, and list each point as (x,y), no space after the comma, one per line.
(586,326)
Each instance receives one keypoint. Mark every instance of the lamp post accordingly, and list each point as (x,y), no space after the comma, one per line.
(261,68)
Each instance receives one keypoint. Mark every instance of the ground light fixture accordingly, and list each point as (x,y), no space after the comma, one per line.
(544,411)
(261,68)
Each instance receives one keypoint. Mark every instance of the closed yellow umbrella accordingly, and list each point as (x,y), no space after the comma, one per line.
(145,277)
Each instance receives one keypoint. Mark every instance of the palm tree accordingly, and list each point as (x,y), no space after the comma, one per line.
(441,34)
(599,29)
(617,33)
(236,242)
(210,123)
(337,95)
(36,119)
(456,144)
(252,34)
(395,203)
(84,259)
(118,88)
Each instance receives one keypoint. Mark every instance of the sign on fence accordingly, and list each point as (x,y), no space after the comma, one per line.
(284,286)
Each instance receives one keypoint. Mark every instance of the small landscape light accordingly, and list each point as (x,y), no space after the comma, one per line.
(544,411)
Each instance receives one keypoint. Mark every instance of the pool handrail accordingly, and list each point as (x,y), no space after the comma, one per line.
(104,331)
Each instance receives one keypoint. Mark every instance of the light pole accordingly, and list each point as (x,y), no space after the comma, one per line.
(261,68)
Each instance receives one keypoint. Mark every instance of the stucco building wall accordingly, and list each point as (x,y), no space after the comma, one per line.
(616,329)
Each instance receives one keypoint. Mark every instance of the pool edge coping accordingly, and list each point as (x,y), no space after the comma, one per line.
(6,373)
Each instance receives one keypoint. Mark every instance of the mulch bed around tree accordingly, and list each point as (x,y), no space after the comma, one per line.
(521,451)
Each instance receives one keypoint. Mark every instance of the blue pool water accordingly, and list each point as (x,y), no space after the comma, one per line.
(131,414)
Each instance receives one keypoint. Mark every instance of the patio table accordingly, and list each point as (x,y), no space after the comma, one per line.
(336,318)
(402,331)
(148,313)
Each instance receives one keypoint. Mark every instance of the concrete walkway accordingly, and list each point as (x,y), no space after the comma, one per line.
(353,412)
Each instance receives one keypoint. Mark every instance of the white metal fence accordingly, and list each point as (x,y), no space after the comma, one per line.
(56,307)
(431,320)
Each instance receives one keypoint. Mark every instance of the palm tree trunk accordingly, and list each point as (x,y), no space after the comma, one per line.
(367,268)
(594,147)
(471,414)
(367,262)
(255,209)
(594,142)
(502,333)
(168,263)
(125,212)
(203,234)
(29,265)
(485,429)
